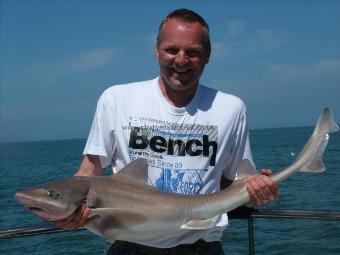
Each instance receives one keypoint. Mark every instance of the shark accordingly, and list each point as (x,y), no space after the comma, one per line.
(130,209)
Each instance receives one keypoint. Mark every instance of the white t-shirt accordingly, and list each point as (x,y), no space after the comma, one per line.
(188,148)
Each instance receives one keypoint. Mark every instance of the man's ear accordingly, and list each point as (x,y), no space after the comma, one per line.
(157,52)
(208,57)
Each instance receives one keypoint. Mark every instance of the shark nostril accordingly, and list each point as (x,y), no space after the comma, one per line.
(20,197)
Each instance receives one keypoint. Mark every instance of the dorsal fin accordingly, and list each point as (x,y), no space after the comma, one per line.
(137,169)
(245,170)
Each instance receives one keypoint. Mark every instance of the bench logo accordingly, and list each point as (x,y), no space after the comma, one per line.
(139,139)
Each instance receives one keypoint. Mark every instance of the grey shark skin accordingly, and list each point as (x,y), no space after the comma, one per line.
(131,210)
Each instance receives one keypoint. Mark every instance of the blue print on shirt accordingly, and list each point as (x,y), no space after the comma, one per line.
(177,181)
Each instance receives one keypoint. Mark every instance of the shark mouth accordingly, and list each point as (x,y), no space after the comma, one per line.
(41,212)
(33,206)
(36,210)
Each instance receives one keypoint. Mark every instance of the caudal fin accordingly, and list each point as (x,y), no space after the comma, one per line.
(326,124)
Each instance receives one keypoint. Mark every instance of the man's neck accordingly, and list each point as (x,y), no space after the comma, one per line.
(177,98)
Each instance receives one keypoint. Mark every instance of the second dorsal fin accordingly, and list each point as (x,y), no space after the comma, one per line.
(245,170)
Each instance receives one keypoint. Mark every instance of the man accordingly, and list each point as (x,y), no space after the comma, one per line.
(193,137)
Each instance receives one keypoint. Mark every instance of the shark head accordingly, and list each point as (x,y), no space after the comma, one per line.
(53,201)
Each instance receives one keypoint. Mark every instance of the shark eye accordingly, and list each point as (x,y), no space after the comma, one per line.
(52,194)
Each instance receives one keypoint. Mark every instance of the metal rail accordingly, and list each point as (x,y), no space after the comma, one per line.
(320,215)
(251,214)
(240,213)
(31,231)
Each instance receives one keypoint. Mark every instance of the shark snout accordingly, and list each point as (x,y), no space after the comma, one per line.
(39,202)
(26,196)
(32,205)
(22,197)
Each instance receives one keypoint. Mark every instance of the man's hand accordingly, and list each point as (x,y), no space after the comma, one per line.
(77,219)
(90,166)
(262,189)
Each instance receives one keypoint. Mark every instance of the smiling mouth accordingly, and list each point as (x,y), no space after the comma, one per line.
(179,72)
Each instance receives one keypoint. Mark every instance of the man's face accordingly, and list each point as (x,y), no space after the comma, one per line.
(182,55)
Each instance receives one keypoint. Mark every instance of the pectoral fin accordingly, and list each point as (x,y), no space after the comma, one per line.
(118,218)
(112,222)
(200,224)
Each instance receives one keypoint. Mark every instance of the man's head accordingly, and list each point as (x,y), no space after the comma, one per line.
(183,50)
(187,16)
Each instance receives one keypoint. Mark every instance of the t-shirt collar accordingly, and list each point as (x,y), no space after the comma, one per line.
(173,109)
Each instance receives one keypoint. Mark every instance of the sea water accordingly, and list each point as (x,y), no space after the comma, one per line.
(29,163)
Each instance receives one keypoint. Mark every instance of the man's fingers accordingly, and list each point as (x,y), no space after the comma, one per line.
(261,188)
(77,220)
(272,187)
(64,222)
(253,190)
(85,217)
(89,220)
(258,186)
(266,172)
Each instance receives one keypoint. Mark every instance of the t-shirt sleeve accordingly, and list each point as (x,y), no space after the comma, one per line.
(101,138)
(240,149)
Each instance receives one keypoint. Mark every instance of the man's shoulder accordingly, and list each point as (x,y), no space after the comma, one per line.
(223,99)
(129,89)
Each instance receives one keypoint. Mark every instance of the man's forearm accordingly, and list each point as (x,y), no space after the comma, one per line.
(90,166)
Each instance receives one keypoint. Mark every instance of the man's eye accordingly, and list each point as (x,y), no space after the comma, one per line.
(171,51)
(194,53)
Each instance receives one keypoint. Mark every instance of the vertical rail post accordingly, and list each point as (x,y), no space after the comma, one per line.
(251,235)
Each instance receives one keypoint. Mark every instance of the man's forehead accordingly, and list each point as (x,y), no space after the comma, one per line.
(182,23)
(175,43)
(176,28)
(186,24)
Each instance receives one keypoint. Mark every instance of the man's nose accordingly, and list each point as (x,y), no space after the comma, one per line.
(181,58)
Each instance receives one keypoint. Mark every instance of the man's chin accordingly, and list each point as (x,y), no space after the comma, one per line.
(176,84)
(180,84)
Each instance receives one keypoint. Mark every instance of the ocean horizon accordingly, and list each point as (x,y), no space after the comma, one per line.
(85,137)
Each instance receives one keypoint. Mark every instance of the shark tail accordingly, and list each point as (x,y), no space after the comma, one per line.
(326,124)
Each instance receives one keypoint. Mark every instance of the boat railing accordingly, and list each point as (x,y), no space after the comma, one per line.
(247,213)
(250,213)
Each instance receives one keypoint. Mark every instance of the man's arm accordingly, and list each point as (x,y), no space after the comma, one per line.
(90,166)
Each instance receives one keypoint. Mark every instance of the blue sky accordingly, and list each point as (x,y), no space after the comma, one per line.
(281,57)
